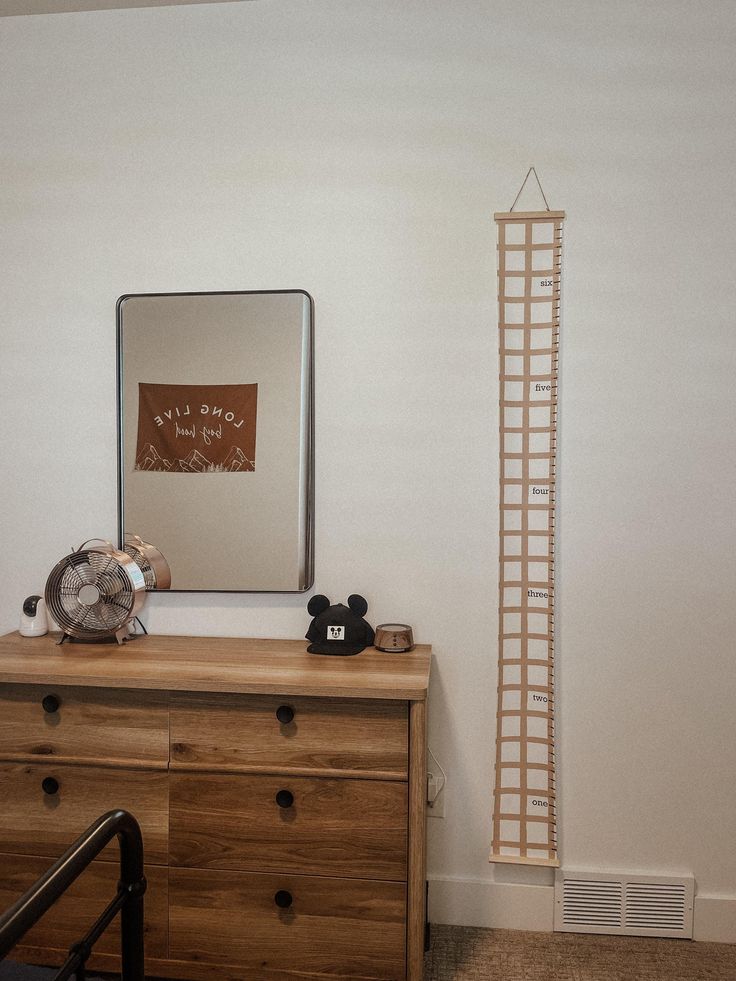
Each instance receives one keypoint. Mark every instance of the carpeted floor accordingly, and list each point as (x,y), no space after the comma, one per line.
(469,954)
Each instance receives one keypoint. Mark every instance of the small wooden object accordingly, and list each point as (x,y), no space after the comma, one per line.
(394,638)
(281,798)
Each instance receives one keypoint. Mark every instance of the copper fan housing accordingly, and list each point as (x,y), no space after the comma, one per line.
(150,560)
(94,593)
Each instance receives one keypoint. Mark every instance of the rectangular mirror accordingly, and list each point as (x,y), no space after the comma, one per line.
(215,436)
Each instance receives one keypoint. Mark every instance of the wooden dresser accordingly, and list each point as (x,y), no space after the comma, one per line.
(281,796)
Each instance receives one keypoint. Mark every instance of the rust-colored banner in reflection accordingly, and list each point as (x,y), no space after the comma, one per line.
(196,428)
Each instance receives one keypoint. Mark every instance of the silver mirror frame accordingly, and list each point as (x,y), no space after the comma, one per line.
(307,448)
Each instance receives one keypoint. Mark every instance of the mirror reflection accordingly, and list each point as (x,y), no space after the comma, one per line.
(215,436)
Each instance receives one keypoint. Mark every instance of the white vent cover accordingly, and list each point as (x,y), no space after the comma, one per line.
(616,902)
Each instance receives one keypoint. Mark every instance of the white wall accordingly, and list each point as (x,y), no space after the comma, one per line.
(358,150)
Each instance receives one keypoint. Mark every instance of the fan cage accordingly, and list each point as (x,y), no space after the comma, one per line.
(94,593)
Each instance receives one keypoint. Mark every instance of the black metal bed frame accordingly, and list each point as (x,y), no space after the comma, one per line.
(128,901)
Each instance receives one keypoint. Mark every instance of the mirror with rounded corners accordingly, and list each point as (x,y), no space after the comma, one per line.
(215,436)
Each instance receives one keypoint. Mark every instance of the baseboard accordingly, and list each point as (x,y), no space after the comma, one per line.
(715,919)
(514,906)
(481,903)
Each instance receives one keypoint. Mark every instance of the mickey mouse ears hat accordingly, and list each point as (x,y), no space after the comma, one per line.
(338,629)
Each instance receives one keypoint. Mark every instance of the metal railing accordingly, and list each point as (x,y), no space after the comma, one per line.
(128,901)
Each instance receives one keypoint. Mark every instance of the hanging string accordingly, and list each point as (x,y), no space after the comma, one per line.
(530,171)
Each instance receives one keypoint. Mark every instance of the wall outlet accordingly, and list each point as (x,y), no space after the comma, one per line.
(436,782)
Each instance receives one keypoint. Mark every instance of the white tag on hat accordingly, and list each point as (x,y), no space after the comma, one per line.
(336,633)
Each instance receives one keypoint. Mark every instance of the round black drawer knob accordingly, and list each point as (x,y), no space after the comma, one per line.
(283,899)
(50,786)
(284,798)
(51,703)
(285,714)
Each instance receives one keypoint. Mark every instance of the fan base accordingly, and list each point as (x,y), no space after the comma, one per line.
(119,637)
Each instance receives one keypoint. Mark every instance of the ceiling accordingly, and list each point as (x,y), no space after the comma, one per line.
(12,8)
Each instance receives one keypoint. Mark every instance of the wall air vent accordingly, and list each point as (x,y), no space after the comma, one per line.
(619,902)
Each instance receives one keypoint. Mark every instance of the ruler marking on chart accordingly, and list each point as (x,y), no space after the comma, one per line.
(529,270)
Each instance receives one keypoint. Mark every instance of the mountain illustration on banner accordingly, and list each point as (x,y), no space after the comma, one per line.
(150,459)
(196,428)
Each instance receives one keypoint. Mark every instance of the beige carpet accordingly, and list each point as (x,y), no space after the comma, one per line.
(469,954)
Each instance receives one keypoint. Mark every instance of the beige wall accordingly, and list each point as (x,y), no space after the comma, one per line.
(359,149)
(16,8)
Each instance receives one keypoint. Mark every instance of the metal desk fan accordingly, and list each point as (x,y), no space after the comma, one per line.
(150,560)
(95,593)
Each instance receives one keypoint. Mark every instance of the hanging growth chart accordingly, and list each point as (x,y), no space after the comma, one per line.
(529,264)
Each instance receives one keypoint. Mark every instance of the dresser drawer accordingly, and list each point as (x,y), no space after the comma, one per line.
(71,917)
(336,928)
(83,724)
(34,821)
(331,827)
(243,732)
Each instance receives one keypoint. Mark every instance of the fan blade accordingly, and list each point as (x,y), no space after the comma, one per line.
(70,576)
(112,619)
(103,615)
(81,624)
(113,582)
(69,590)
(101,562)
(83,570)
(115,602)
(71,606)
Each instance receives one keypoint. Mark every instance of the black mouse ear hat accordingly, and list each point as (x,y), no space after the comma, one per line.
(358,605)
(317,604)
(338,629)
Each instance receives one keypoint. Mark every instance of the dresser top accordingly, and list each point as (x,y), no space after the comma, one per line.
(215,664)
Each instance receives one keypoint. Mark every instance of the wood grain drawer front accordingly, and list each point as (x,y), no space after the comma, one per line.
(44,820)
(315,825)
(83,724)
(336,928)
(69,919)
(243,732)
